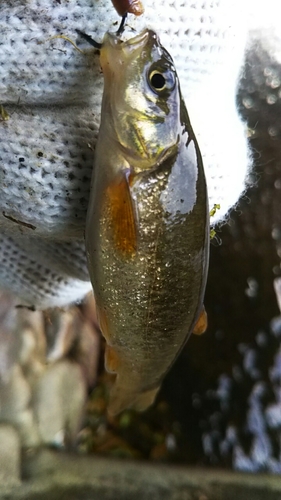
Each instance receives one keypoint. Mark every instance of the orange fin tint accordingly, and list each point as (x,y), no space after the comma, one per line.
(112,361)
(111,356)
(202,323)
(123,216)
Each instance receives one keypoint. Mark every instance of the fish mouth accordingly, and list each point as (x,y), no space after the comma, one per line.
(132,43)
(115,52)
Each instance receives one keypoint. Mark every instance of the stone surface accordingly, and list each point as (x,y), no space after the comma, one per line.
(48,361)
(50,475)
(9,455)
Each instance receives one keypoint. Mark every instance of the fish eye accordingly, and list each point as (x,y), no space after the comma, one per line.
(157,81)
(160,81)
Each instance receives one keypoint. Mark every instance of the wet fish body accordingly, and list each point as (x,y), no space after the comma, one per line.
(147,232)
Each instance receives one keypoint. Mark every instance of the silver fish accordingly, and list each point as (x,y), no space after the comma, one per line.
(147,231)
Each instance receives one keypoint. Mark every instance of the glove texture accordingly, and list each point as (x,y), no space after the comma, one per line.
(52,94)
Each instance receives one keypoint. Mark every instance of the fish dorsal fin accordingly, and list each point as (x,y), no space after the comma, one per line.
(201,323)
(122,213)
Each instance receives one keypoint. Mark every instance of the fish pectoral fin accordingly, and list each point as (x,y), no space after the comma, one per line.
(201,323)
(123,217)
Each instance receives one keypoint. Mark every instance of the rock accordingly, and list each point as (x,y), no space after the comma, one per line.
(10,454)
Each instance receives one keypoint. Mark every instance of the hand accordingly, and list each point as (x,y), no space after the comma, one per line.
(52,94)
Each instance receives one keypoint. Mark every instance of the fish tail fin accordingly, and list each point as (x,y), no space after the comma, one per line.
(121,398)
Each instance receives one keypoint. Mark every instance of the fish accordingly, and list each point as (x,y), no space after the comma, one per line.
(147,227)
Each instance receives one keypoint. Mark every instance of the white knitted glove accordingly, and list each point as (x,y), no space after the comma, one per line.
(52,94)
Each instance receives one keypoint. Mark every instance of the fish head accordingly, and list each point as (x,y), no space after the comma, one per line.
(141,97)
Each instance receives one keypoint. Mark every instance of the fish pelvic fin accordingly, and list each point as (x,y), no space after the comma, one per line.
(201,323)
(123,216)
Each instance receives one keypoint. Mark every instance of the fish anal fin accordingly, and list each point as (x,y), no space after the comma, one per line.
(111,356)
(112,360)
(201,323)
(122,215)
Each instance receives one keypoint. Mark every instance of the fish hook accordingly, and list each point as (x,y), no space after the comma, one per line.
(122,25)
(98,45)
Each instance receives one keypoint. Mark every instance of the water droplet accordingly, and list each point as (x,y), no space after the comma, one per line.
(275,82)
(273,131)
(267,71)
(271,99)
(275,233)
(252,289)
(247,102)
